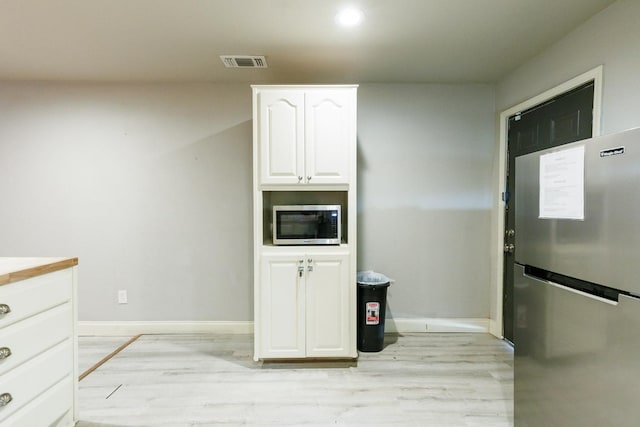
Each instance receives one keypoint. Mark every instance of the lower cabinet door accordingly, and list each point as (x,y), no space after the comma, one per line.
(305,306)
(282,306)
(328,307)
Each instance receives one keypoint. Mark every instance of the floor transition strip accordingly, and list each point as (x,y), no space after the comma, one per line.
(107,357)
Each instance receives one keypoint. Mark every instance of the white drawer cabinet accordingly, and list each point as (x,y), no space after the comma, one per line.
(38,345)
(34,295)
(48,406)
(32,336)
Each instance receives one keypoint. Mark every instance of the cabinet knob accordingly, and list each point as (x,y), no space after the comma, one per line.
(308,178)
(299,179)
(5,398)
(4,309)
(5,352)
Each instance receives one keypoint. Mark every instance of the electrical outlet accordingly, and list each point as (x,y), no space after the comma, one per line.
(122,296)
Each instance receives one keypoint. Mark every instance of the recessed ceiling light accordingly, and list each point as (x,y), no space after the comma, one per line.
(349,17)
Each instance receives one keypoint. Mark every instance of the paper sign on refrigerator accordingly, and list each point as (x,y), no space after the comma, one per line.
(562,184)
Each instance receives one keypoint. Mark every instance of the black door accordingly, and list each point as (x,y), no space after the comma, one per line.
(566,118)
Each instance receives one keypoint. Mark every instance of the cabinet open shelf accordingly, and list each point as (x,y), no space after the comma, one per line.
(274,198)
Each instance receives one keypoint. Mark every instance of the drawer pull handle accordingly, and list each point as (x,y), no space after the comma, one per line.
(5,398)
(5,352)
(4,309)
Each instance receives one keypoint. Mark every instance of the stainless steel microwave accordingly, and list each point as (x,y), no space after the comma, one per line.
(307,225)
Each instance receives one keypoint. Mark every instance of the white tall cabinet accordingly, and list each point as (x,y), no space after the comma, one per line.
(304,152)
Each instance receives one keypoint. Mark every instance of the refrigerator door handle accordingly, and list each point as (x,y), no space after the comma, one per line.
(575,291)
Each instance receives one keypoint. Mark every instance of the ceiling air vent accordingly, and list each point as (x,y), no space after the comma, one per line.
(244,61)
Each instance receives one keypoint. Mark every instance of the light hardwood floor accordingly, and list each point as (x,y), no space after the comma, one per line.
(430,379)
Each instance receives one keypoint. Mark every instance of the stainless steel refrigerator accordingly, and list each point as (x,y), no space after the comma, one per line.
(577,285)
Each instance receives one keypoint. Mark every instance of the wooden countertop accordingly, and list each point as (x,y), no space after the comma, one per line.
(14,269)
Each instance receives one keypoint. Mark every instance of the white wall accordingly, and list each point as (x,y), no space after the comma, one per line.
(150,186)
(612,39)
(424,195)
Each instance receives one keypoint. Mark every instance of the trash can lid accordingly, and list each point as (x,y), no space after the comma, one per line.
(371,278)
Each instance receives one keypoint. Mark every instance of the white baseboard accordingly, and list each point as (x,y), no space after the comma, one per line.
(130,328)
(392,325)
(427,324)
(495,328)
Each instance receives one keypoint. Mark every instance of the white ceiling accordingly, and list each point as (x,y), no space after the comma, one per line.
(181,40)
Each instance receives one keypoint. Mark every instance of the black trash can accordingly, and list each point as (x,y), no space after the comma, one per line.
(372,304)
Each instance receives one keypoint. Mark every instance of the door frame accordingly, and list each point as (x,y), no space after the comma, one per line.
(595,75)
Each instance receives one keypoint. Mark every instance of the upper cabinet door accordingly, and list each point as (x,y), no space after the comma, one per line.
(330,132)
(281,133)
